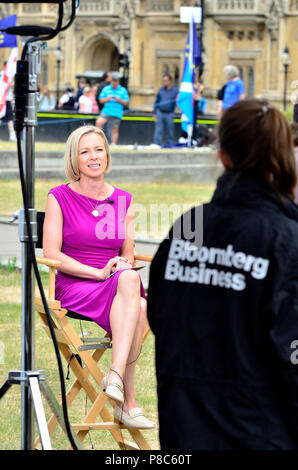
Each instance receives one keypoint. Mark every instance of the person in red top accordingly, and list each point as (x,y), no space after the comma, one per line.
(95,109)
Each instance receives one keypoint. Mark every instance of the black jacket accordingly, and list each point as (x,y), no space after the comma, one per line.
(99,90)
(225,319)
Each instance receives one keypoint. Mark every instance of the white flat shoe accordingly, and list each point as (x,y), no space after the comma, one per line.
(133,419)
(113,389)
(104,383)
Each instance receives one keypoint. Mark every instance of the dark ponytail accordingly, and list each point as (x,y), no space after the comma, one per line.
(256,136)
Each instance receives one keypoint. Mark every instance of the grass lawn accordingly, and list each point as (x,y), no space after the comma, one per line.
(157,204)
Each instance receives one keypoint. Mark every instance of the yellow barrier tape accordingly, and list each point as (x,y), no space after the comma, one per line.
(125,118)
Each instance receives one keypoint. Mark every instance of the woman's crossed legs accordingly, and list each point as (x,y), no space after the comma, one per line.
(128,320)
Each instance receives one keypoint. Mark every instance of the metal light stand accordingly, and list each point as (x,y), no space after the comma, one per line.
(27,377)
(27,81)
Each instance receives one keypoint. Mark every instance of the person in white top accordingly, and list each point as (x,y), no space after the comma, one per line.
(67,100)
(47,100)
(85,101)
(8,117)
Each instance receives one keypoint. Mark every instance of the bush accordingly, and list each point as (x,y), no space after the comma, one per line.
(288,113)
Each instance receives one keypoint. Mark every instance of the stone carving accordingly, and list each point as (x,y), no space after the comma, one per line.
(294,5)
(160,5)
(98,6)
(236,4)
(274,10)
(241,34)
(30,9)
(5,10)
(278,6)
(192,3)
(131,8)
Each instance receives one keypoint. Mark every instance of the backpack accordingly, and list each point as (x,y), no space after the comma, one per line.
(221,92)
(70,103)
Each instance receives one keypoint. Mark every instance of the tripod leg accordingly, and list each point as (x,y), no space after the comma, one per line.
(6,386)
(40,415)
(57,411)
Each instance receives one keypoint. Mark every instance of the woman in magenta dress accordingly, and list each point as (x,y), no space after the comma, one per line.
(89,227)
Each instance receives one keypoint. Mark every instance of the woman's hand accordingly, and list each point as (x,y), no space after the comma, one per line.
(121,264)
(113,265)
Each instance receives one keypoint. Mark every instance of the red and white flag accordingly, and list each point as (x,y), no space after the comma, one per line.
(6,78)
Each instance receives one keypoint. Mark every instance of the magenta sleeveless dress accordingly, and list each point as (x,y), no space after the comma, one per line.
(91,241)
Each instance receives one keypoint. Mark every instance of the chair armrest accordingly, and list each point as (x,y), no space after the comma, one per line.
(143,257)
(52,263)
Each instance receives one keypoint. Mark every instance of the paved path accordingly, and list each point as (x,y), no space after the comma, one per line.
(10,247)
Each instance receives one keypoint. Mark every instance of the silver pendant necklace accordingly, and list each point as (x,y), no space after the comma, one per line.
(95,211)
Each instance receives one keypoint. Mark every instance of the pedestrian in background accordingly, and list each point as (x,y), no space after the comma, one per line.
(163,112)
(106,80)
(47,100)
(233,90)
(93,94)
(8,117)
(114,98)
(82,84)
(85,101)
(67,100)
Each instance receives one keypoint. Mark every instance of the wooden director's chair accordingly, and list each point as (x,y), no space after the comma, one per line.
(82,355)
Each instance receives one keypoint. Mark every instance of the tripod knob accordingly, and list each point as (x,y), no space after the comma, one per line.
(21,94)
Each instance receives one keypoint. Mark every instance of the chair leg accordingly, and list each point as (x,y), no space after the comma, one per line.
(70,339)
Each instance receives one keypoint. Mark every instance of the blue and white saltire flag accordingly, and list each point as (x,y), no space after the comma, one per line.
(185,100)
(8,40)
(185,96)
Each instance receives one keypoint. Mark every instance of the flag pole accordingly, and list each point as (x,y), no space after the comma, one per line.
(185,99)
(190,126)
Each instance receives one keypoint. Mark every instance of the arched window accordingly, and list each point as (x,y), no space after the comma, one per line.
(104,56)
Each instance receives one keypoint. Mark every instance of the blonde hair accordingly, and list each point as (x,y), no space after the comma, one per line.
(71,154)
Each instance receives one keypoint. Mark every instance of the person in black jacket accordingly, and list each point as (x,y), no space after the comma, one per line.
(223,298)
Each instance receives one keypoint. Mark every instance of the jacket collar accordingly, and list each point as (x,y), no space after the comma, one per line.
(249,190)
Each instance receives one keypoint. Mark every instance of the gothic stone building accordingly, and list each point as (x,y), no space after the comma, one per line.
(251,34)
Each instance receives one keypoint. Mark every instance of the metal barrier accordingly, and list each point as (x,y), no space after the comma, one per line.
(135,128)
